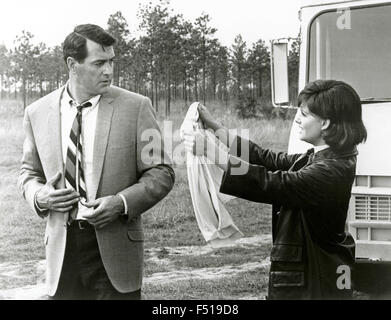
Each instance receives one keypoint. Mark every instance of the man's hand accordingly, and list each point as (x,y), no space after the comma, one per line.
(60,200)
(106,210)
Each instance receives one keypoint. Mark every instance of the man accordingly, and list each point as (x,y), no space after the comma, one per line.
(83,170)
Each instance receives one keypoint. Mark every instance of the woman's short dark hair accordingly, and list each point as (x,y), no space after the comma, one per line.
(340,103)
(75,44)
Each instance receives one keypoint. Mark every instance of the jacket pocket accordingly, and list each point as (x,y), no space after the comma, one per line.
(46,239)
(287,279)
(286,253)
(136,235)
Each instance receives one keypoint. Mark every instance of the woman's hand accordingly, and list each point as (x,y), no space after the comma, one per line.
(207,118)
(198,144)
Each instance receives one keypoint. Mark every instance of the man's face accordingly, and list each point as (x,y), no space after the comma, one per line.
(95,73)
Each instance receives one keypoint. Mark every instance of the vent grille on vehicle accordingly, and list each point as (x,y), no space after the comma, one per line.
(373,208)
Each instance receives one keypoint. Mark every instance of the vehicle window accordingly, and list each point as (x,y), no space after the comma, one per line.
(353,46)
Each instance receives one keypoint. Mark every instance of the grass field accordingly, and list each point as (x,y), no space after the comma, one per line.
(175,248)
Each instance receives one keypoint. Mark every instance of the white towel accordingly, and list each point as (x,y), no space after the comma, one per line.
(214,221)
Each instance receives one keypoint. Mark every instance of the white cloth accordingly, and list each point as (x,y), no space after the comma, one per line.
(68,113)
(214,221)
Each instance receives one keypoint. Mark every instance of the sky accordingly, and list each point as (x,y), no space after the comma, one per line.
(51,20)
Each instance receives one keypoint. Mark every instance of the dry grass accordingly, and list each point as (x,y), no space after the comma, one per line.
(20,231)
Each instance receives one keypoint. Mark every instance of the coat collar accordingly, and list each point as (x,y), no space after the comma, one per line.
(329,153)
(54,132)
(321,155)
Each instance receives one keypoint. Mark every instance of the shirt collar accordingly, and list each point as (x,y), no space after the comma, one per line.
(72,103)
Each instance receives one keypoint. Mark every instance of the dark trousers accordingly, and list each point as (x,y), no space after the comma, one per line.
(83,276)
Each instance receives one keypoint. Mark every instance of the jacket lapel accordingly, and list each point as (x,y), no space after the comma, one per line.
(102,130)
(54,137)
(300,162)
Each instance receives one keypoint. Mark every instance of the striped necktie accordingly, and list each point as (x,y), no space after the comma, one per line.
(74,174)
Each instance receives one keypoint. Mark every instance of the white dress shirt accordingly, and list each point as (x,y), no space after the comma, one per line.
(68,113)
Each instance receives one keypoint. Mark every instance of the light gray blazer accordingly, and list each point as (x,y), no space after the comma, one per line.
(118,167)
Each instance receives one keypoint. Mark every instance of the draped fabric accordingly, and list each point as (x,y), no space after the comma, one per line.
(214,221)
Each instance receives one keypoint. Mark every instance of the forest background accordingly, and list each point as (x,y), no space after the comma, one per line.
(171,59)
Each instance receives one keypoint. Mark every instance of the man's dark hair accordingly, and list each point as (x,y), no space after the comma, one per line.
(340,103)
(75,44)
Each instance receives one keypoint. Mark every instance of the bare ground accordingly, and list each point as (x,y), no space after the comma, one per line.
(26,271)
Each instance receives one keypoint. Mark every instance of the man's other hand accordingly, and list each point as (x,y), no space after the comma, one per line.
(106,210)
(60,200)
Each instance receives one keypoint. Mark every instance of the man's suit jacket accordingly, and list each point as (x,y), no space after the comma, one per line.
(118,167)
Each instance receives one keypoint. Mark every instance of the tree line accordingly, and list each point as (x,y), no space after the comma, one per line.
(171,59)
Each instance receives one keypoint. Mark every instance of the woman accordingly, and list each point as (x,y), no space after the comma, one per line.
(312,255)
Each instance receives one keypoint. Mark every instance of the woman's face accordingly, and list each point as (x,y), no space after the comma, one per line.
(310,126)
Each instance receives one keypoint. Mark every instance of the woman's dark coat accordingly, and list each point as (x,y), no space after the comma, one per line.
(310,203)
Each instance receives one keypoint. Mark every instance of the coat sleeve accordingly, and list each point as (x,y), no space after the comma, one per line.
(311,186)
(154,171)
(31,177)
(254,154)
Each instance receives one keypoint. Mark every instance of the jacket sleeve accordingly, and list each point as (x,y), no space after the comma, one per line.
(155,174)
(254,154)
(31,177)
(311,186)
